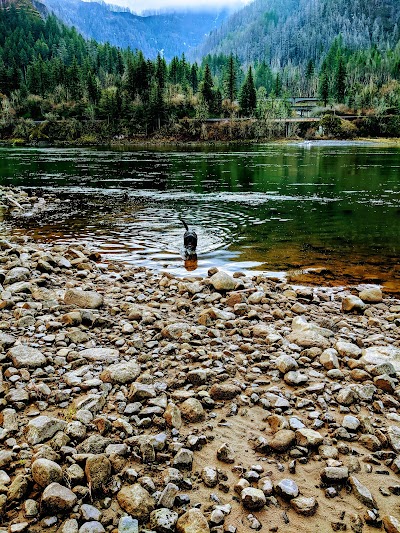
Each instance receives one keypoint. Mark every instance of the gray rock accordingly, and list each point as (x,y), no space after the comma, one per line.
(329,359)
(125,372)
(24,356)
(192,410)
(308,437)
(83,299)
(16,274)
(286,363)
(98,471)
(377,355)
(225,454)
(136,501)
(393,433)
(92,527)
(287,488)
(101,355)
(183,460)
(295,378)
(362,493)
(163,520)
(168,495)
(45,472)
(43,428)
(58,498)
(209,476)
(335,474)
(304,506)
(69,526)
(127,524)
(351,422)
(253,499)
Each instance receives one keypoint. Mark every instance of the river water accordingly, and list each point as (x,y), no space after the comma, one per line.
(321,212)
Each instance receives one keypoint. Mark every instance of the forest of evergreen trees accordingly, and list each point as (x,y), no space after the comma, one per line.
(54,84)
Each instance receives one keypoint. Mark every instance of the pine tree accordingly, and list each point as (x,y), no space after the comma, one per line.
(230,81)
(248,95)
(207,87)
(194,78)
(324,87)
(340,80)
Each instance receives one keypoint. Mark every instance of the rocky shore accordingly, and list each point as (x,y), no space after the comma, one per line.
(135,401)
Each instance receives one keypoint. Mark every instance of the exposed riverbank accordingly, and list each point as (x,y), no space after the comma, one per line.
(223,403)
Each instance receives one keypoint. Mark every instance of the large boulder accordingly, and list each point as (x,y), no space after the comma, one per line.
(45,472)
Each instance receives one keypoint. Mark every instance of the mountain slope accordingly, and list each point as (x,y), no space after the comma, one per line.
(296,31)
(173,33)
(30,6)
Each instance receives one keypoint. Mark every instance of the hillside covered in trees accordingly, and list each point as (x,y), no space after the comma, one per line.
(168,33)
(56,85)
(293,32)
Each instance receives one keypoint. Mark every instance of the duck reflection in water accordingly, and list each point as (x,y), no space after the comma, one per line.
(190,261)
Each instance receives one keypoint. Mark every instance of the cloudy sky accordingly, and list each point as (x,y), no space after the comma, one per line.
(140,5)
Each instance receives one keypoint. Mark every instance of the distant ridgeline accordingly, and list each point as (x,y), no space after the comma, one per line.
(57,85)
(169,33)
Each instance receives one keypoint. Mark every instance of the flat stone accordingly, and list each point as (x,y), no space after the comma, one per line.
(58,498)
(362,493)
(83,299)
(335,474)
(136,501)
(308,437)
(24,356)
(175,331)
(101,355)
(122,373)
